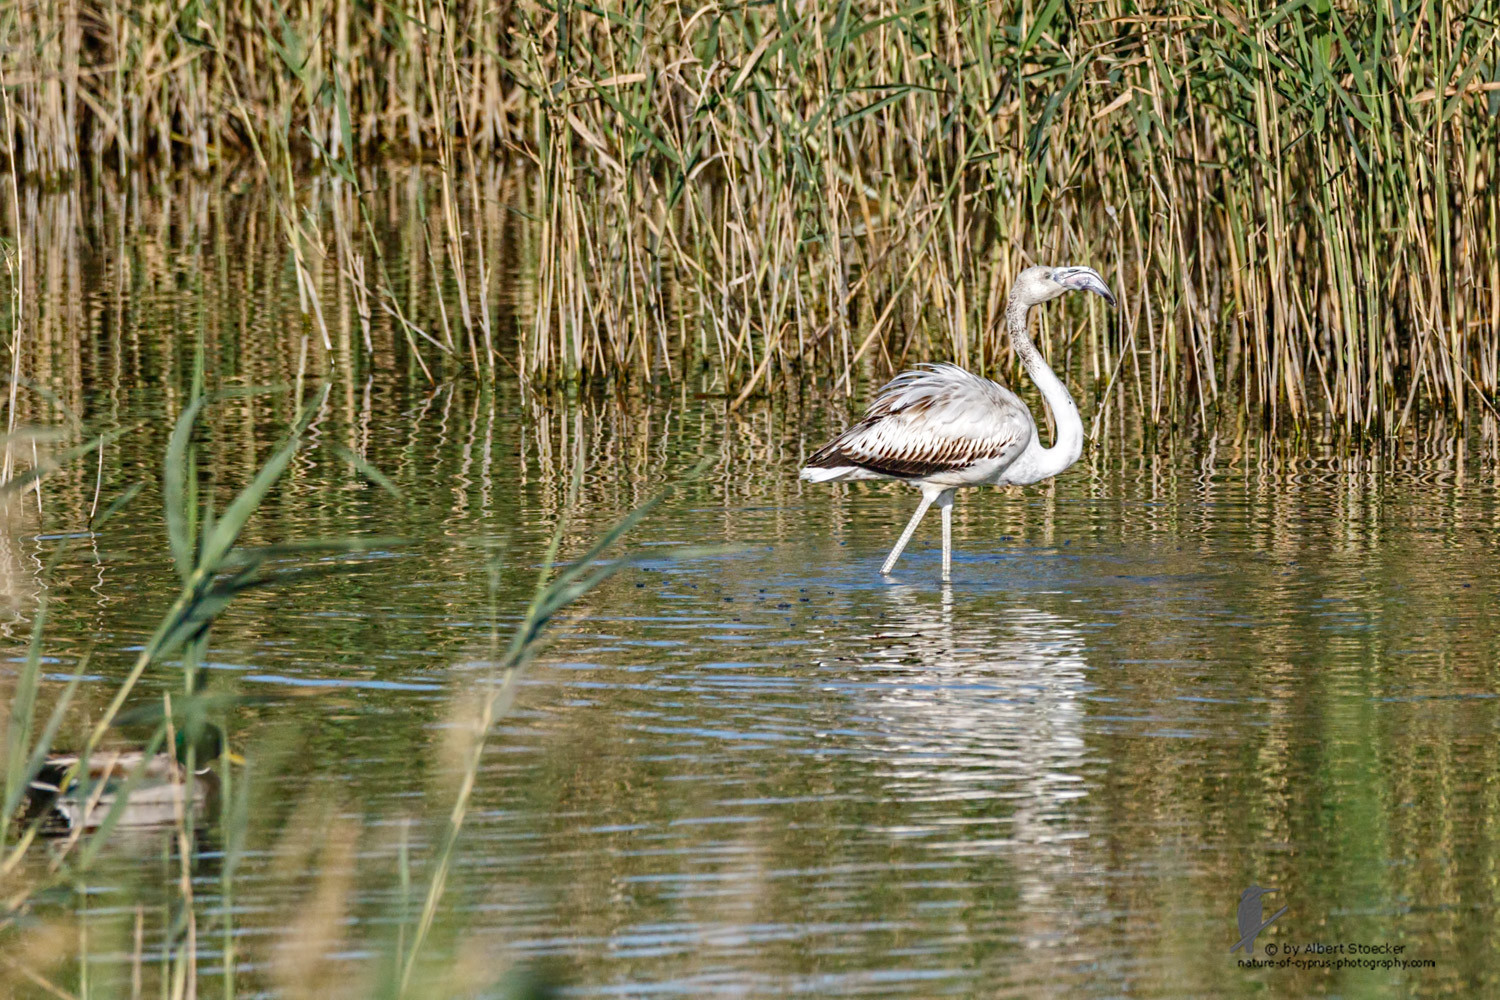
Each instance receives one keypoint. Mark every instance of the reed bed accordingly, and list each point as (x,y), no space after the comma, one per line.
(1296,202)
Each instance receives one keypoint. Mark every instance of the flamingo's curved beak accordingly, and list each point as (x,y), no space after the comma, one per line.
(1081,279)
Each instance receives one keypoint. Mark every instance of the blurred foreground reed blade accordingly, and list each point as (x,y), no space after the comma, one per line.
(97,789)
(164,797)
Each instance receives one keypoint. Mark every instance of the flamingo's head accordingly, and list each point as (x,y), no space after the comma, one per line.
(1042,284)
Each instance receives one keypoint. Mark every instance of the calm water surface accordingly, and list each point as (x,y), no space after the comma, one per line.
(750,766)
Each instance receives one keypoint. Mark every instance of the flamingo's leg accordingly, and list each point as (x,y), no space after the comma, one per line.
(945,504)
(890,560)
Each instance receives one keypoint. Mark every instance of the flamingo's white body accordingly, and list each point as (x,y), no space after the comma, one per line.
(941,428)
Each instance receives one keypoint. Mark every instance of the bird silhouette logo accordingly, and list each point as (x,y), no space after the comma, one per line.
(1248,917)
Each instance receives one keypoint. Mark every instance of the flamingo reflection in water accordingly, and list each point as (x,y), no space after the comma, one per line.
(963,708)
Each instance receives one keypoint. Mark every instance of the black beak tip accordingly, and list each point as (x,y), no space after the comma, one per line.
(1081,279)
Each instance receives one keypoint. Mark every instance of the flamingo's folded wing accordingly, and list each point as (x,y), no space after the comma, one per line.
(942,419)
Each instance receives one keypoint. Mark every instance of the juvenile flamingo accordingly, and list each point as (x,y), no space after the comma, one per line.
(940,428)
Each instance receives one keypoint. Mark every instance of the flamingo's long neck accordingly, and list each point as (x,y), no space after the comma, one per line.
(1043,463)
